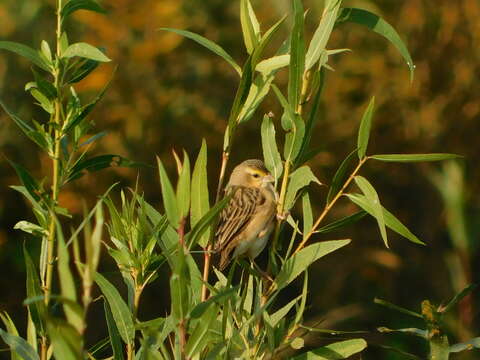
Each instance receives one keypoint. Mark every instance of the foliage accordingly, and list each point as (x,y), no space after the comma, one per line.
(244,320)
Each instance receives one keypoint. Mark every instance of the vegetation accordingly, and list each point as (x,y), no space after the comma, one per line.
(213,315)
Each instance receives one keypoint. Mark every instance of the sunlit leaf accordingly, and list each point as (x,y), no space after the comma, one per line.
(322,34)
(200,308)
(300,261)
(272,158)
(199,196)
(198,340)
(372,197)
(86,51)
(390,220)
(297,56)
(183,188)
(26,52)
(339,350)
(300,178)
(210,45)
(250,26)
(307,214)
(380,26)
(364,130)
(272,64)
(120,311)
(414,157)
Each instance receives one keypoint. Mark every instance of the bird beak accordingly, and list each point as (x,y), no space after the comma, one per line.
(268,179)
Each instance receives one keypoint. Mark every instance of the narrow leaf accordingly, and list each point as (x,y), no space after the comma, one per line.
(297,56)
(183,188)
(34,289)
(223,294)
(347,220)
(210,45)
(339,350)
(307,214)
(468,345)
(322,34)
(414,157)
(339,177)
(26,52)
(372,197)
(168,196)
(272,158)
(199,197)
(120,311)
(86,51)
(300,261)
(380,26)
(272,64)
(300,178)
(250,26)
(198,340)
(457,298)
(114,335)
(397,308)
(364,130)
(76,5)
(390,220)
(19,346)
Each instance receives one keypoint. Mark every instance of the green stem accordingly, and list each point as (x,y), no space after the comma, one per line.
(56,163)
(330,205)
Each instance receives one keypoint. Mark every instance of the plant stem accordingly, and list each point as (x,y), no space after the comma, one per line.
(56,162)
(330,204)
(208,253)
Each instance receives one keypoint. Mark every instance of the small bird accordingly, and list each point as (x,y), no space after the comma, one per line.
(248,219)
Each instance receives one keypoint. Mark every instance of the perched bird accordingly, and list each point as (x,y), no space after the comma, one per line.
(248,219)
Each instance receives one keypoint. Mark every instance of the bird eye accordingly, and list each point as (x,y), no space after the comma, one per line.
(256,176)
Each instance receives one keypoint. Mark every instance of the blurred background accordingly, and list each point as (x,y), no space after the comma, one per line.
(169,92)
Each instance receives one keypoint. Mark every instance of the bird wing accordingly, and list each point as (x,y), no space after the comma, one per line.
(238,213)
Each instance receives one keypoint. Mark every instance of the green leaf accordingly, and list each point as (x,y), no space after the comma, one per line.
(397,308)
(468,345)
(86,51)
(199,339)
(322,34)
(339,350)
(75,5)
(457,298)
(27,180)
(34,289)
(294,127)
(210,45)
(273,64)
(411,331)
(30,228)
(300,178)
(204,223)
(380,26)
(280,314)
(19,346)
(250,26)
(67,284)
(347,220)
(168,196)
(83,71)
(43,101)
(364,130)
(414,157)
(339,177)
(26,52)
(372,197)
(390,220)
(272,158)
(178,287)
(259,88)
(202,307)
(120,311)
(114,335)
(199,197)
(297,56)
(300,261)
(307,214)
(183,188)
(65,340)
(40,139)
(98,163)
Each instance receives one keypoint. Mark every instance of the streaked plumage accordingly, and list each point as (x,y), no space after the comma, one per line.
(247,221)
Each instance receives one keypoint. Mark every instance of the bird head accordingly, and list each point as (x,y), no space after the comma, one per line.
(251,173)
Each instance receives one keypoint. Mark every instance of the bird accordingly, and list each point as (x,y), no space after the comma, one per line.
(248,219)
